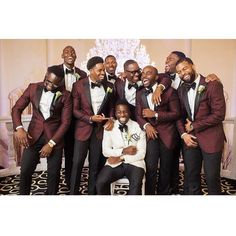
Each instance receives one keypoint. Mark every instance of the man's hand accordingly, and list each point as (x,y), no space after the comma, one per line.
(156,96)
(114,160)
(190,140)
(188,126)
(109,125)
(22,137)
(151,132)
(45,151)
(98,118)
(131,150)
(212,77)
(122,75)
(148,113)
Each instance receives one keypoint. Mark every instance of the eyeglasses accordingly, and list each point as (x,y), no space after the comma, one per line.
(138,71)
(51,83)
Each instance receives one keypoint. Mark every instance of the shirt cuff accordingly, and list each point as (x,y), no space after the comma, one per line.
(18,127)
(144,127)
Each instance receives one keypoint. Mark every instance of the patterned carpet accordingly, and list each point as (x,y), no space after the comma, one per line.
(10,185)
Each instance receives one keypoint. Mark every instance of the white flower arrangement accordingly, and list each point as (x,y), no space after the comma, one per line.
(200,89)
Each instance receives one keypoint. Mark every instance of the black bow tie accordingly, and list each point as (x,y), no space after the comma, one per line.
(110,77)
(93,85)
(69,71)
(148,91)
(132,85)
(123,127)
(189,86)
(172,77)
(52,91)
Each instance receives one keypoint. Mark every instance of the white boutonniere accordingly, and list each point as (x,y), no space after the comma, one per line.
(139,83)
(77,76)
(58,94)
(128,137)
(109,90)
(200,89)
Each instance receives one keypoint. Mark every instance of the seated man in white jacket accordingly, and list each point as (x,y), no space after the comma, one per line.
(125,148)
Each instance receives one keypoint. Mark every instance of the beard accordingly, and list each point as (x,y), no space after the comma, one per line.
(191,79)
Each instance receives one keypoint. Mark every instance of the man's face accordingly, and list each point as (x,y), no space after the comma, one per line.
(149,76)
(133,73)
(69,56)
(110,65)
(122,113)
(186,72)
(97,73)
(51,81)
(170,63)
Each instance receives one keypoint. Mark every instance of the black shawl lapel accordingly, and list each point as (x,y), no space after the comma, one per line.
(87,92)
(38,95)
(144,99)
(186,103)
(107,94)
(199,93)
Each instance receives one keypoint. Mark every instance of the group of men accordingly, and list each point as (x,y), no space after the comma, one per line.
(131,125)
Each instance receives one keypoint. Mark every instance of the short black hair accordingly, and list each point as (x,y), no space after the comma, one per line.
(93,61)
(122,102)
(179,54)
(128,62)
(187,59)
(56,70)
(110,56)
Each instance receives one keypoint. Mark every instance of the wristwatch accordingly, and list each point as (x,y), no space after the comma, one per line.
(51,145)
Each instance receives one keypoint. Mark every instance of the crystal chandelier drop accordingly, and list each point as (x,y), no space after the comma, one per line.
(122,49)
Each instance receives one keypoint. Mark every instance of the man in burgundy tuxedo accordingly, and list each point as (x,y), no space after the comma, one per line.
(71,75)
(110,64)
(126,89)
(159,123)
(201,127)
(51,118)
(92,108)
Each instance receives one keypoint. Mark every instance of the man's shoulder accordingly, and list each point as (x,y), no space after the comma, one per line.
(82,73)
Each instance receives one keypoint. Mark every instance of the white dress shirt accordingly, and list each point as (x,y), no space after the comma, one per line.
(176,82)
(149,97)
(70,79)
(130,94)
(97,96)
(110,80)
(192,96)
(45,103)
(114,141)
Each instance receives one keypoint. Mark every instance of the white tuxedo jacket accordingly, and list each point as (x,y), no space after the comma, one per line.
(114,141)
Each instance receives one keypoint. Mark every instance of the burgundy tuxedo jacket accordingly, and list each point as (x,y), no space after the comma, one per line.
(168,113)
(82,108)
(209,112)
(60,114)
